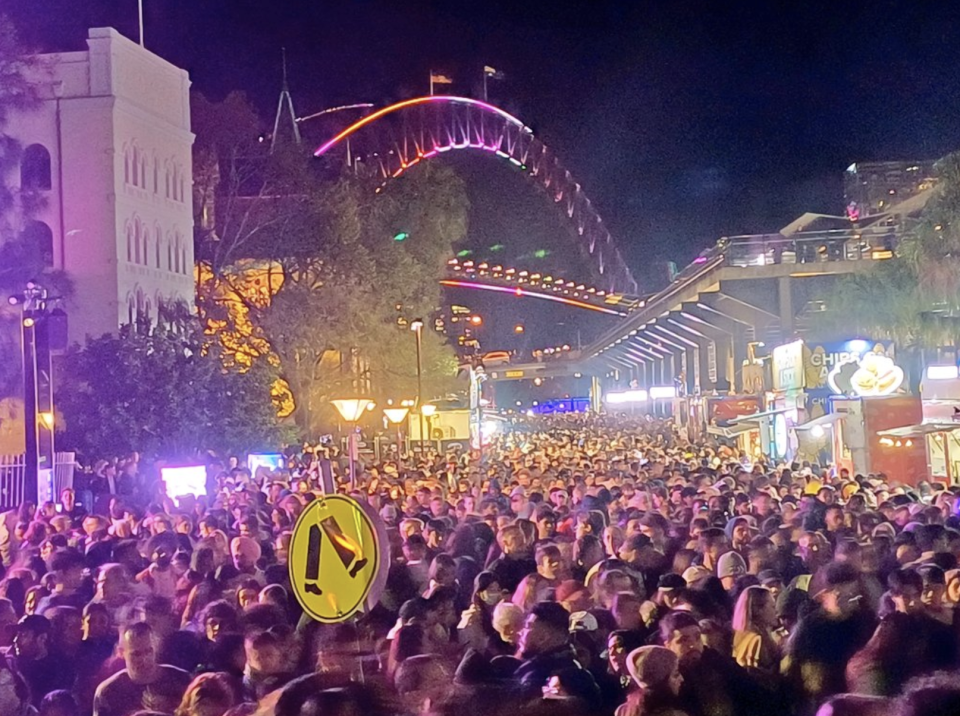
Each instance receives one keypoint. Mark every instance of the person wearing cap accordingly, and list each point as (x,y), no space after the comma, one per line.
(655,671)
(730,568)
(827,637)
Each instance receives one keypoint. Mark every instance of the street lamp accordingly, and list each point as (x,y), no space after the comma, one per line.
(351,410)
(428,410)
(417,327)
(396,416)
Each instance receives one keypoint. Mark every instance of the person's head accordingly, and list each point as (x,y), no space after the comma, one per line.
(508,621)
(245,552)
(68,499)
(906,589)
(139,652)
(487,590)
(755,610)
(545,628)
(840,594)
(680,633)
(730,567)
(833,517)
(936,695)
(58,703)
(96,621)
(511,540)
(934,586)
(626,610)
(66,627)
(549,561)
(112,583)
(208,695)
(655,669)
(31,640)
(264,652)
(218,618)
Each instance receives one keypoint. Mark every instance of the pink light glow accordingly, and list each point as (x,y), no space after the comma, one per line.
(412,103)
(532,294)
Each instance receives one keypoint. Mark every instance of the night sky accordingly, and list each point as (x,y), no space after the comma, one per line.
(683,120)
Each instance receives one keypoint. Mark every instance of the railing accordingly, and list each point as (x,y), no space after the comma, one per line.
(13,473)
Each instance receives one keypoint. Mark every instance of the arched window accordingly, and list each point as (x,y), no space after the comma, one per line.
(136,241)
(38,237)
(135,166)
(129,243)
(183,185)
(146,246)
(156,175)
(176,254)
(126,165)
(159,236)
(166,181)
(131,311)
(169,254)
(35,168)
(143,172)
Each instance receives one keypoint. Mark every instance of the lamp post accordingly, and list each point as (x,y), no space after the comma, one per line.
(43,331)
(428,410)
(417,327)
(396,416)
(351,410)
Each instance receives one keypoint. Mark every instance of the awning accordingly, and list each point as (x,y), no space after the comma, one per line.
(919,430)
(757,417)
(823,421)
(730,431)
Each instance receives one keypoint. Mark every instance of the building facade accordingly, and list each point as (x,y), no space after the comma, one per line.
(108,148)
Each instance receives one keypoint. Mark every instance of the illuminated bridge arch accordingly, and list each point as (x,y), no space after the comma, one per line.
(426,127)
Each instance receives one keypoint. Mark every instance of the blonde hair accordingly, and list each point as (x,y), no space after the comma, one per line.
(207,687)
(748,606)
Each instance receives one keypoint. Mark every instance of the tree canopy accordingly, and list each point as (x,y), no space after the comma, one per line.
(166,393)
(321,274)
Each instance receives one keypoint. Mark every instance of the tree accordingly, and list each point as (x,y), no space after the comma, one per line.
(308,270)
(913,299)
(165,393)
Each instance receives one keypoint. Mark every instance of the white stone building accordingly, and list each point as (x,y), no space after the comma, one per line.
(109,146)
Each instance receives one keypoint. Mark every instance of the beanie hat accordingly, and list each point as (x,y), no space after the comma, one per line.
(651,666)
(731,564)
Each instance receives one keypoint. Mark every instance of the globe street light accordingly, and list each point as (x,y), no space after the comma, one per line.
(417,327)
(351,410)
(396,416)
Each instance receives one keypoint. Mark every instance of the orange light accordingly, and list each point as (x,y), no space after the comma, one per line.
(518,329)
(476,320)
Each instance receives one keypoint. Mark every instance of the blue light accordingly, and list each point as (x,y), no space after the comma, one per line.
(858,345)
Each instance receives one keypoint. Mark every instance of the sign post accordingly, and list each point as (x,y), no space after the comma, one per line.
(336,562)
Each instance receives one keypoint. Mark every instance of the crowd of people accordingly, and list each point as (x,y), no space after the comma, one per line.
(587,566)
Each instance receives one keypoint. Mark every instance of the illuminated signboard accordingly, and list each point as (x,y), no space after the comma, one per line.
(869,375)
(788,366)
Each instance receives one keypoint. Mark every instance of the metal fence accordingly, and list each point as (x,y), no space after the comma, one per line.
(13,472)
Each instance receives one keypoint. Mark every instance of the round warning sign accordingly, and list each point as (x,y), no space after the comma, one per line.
(334,558)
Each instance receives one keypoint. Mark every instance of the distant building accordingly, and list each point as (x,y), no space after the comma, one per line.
(109,147)
(871,188)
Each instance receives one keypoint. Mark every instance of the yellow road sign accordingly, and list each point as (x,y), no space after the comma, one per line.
(334,558)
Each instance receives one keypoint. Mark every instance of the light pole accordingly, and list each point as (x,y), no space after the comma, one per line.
(43,331)
(428,411)
(351,410)
(396,416)
(417,327)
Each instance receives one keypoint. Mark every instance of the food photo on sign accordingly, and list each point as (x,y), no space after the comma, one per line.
(873,374)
